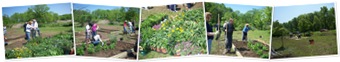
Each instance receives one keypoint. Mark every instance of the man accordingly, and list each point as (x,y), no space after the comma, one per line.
(230,30)
(131,27)
(245,32)
(124,27)
(35,28)
(210,33)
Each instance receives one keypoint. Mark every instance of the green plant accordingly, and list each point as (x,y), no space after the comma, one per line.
(90,48)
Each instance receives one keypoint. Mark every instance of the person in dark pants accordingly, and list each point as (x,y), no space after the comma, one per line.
(210,33)
(245,32)
(230,30)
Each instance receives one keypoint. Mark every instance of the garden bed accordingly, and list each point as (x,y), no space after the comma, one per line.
(252,48)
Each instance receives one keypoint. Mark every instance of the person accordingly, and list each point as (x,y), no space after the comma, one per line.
(28,30)
(245,32)
(189,5)
(94,29)
(131,27)
(5,29)
(210,33)
(230,29)
(35,28)
(87,31)
(97,40)
(124,26)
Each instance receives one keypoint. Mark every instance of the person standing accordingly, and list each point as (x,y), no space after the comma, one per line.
(131,27)
(210,33)
(124,26)
(230,30)
(28,29)
(94,29)
(87,32)
(5,29)
(245,32)
(35,28)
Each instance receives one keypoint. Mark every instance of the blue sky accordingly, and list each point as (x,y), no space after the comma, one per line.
(93,7)
(60,8)
(286,13)
(242,8)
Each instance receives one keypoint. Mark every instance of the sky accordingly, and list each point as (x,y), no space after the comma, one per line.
(243,8)
(60,8)
(93,7)
(286,13)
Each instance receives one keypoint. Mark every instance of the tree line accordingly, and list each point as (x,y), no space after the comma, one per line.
(39,12)
(257,18)
(114,15)
(309,22)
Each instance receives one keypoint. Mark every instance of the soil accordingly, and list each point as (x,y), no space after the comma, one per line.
(244,50)
(120,47)
(105,32)
(16,38)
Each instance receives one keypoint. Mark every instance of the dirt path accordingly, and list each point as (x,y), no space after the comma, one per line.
(17,39)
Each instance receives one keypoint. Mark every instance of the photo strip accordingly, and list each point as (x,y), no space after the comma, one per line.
(106,31)
(172,30)
(38,30)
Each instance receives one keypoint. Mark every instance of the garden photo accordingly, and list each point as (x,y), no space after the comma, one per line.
(309,30)
(106,31)
(238,30)
(38,30)
(172,30)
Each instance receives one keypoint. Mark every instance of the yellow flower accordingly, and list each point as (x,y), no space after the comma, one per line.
(163,28)
(177,28)
(172,30)
(169,35)
(162,25)
(181,29)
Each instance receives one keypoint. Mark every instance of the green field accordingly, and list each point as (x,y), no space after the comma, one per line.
(254,35)
(324,44)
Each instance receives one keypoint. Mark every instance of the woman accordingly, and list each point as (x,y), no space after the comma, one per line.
(28,30)
(87,32)
(94,29)
(97,40)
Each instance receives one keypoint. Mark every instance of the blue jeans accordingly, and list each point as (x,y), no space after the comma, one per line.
(229,41)
(244,37)
(125,29)
(131,28)
(209,45)
(28,34)
(94,33)
(95,43)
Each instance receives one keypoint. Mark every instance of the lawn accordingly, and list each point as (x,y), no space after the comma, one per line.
(254,35)
(324,44)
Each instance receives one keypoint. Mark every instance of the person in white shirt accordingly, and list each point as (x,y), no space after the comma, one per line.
(131,27)
(97,40)
(28,30)
(87,32)
(35,28)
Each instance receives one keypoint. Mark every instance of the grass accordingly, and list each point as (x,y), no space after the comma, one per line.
(153,54)
(323,45)
(254,35)
(43,30)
